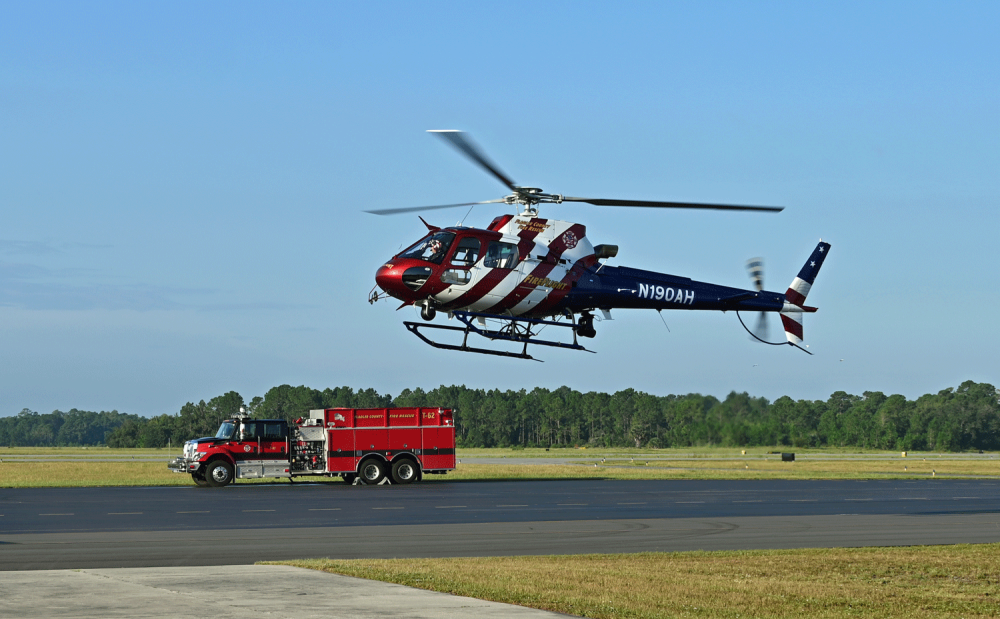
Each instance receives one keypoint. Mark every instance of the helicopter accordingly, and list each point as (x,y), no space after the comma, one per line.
(523,274)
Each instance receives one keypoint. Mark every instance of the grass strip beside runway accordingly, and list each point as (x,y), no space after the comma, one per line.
(924,581)
(68,467)
(93,474)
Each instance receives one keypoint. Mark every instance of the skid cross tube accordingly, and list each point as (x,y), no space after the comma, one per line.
(414,328)
(526,337)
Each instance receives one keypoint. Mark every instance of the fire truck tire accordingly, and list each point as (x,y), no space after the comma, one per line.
(199,480)
(372,472)
(219,474)
(404,471)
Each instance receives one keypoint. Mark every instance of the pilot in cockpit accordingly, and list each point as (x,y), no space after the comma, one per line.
(434,251)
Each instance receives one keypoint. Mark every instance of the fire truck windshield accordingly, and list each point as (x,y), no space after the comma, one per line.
(226,430)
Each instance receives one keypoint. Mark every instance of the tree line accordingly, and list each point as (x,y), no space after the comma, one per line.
(955,419)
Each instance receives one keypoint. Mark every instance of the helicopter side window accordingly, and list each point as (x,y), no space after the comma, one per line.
(501,255)
(467,251)
(459,277)
(432,248)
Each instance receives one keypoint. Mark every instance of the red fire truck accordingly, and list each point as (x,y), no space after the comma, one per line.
(371,445)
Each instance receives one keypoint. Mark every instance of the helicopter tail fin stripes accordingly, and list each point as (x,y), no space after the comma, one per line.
(795,296)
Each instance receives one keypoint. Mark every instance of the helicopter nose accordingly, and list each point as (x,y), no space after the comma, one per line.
(402,282)
(389,277)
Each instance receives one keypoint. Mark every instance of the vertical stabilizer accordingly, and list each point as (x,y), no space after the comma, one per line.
(795,296)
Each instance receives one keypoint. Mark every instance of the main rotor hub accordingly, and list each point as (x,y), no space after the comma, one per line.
(530,198)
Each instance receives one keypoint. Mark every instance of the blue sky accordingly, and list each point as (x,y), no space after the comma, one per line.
(182,187)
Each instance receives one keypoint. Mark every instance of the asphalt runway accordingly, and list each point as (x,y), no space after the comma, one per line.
(58,528)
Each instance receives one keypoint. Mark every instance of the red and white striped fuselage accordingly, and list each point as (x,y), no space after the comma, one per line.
(520,265)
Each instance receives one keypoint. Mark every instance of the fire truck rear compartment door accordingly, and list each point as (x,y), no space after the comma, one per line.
(371,433)
(438,451)
(404,430)
(340,457)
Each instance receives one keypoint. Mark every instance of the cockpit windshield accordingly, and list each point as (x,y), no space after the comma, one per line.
(431,248)
(226,430)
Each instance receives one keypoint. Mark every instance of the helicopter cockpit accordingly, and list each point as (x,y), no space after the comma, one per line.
(435,247)
(443,258)
(432,248)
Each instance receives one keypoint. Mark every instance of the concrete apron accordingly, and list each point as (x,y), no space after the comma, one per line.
(230,592)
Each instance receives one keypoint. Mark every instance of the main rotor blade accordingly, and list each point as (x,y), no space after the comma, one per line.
(464,144)
(413,209)
(654,204)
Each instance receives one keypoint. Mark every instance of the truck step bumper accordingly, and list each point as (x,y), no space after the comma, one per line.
(181,465)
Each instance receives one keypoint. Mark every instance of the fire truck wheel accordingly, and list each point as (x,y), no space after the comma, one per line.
(199,480)
(404,471)
(219,473)
(372,472)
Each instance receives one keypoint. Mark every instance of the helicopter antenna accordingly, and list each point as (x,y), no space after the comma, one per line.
(462,222)
(660,312)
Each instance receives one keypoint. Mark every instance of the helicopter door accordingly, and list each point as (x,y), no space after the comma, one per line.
(504,264)
(462,270)
(496,271)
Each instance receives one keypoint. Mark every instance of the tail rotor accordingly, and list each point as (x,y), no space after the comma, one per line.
(755,269)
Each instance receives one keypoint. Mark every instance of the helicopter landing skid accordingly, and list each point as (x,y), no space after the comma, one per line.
(516,330)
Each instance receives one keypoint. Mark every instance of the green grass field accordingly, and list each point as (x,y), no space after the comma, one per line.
(54,467)
(922,582)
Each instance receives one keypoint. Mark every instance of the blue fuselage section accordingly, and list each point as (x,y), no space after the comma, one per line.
(604,287)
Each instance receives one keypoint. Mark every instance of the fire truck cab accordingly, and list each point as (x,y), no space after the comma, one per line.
(373,446)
